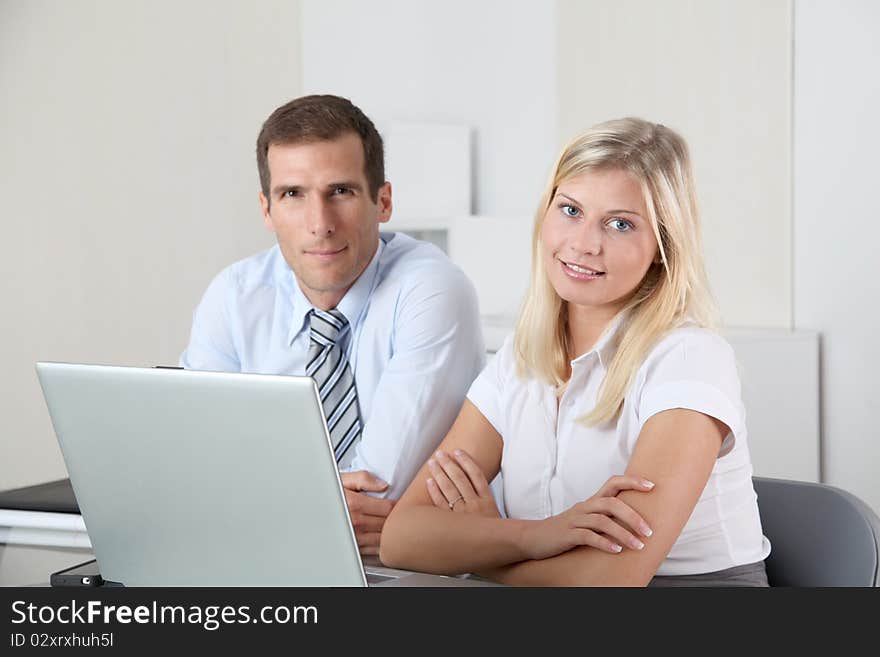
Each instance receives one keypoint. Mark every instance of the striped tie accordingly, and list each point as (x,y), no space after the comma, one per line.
(329,368)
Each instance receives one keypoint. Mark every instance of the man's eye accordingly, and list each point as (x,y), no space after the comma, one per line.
(341,190)
(290,193)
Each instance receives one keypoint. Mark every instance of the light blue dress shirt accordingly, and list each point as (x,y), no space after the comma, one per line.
(415,343)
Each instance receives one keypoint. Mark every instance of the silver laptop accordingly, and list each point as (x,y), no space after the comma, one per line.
(188,478)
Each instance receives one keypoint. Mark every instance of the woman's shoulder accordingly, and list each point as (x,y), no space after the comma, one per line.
(503,368)
(693,343)
(691,353)
(694,368)
(491,392)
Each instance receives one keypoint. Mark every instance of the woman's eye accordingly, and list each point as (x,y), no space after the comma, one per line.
(620,225)
(569,210)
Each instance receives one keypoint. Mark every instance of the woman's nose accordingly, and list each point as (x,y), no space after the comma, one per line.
(587,237)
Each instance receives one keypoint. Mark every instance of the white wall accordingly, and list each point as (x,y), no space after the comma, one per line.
(127,173)
(529,75)
(719,72)
(127,180)
(837,225)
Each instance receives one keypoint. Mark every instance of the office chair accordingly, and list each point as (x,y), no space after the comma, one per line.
(819,535)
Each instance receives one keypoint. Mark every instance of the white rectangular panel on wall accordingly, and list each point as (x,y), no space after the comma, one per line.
(779,372)
(496,254)
(429,166)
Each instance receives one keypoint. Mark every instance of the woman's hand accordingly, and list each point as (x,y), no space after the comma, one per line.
(459,485)
(603,522)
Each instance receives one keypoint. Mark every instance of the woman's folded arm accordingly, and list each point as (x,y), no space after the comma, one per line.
(676,450)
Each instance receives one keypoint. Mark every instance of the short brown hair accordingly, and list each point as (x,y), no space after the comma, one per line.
(320,118)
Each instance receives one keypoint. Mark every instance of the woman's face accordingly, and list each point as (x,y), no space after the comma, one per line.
(597,240)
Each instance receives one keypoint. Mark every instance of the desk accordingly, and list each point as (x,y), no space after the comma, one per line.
(29,565)
(26,565)
(372,564)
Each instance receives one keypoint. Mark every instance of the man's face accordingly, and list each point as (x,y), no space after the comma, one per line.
(322,214)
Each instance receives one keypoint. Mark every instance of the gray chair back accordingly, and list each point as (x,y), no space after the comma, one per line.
(819,535)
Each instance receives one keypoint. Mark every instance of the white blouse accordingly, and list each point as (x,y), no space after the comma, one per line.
(551,462)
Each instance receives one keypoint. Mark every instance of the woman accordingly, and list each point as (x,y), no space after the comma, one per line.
(613,367)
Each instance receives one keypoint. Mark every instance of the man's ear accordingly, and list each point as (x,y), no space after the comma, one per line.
(383,200)
(264,209)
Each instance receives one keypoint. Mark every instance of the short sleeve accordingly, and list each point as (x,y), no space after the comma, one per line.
(487,390)
(695,369)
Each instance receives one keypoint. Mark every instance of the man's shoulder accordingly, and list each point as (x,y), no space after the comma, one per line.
(407,261)
(259,270)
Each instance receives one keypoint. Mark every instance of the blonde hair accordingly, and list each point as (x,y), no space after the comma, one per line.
(672,291)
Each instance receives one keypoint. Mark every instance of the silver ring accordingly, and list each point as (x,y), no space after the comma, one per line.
(455,501)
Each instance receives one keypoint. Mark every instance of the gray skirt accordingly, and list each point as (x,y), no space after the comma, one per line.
(752,574)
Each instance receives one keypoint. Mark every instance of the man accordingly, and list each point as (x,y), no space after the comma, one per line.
(387,325)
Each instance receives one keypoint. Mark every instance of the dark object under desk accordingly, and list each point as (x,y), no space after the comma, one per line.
(52,496)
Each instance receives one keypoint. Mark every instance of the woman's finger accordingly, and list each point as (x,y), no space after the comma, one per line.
(474,473)
(444,483)
(620,483)
(612,530)
(617,508)
(436,496)
(589,537)
(457,475)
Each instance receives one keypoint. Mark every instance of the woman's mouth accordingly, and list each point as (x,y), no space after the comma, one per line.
(580,272)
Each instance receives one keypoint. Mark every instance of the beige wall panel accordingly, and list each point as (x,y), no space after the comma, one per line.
(719,72)
(127,180)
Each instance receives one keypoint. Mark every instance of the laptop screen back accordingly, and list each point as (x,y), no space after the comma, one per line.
(191,478)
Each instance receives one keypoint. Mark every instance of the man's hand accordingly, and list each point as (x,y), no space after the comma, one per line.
(367,513)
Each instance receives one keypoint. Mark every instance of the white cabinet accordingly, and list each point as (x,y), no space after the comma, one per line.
(779,371)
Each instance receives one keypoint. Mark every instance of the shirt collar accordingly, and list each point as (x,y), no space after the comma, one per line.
(606,345)
(351,305)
